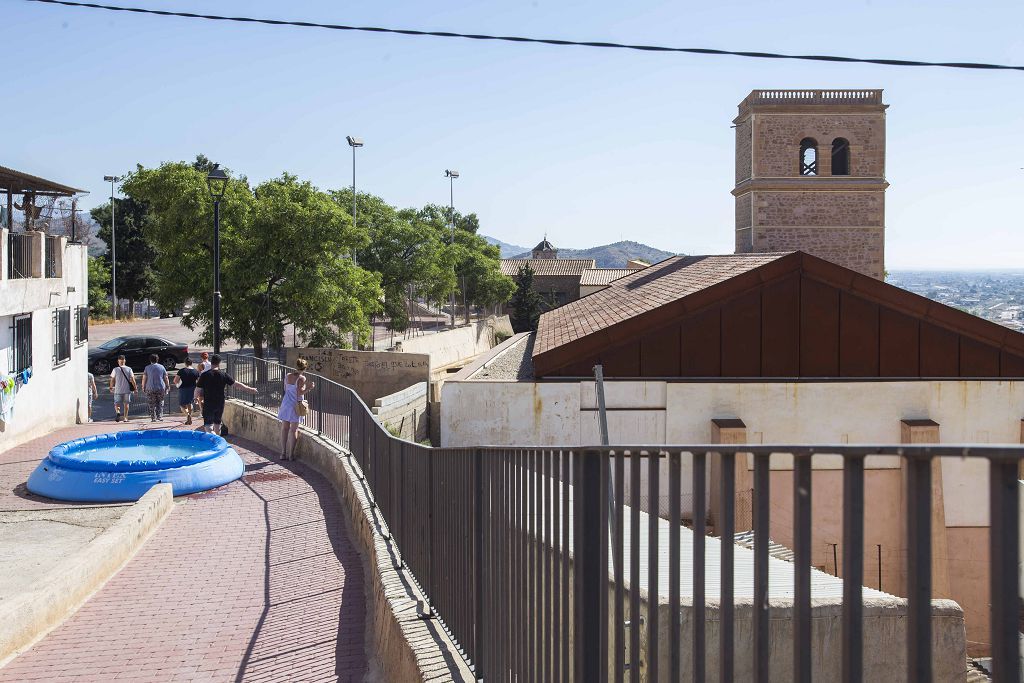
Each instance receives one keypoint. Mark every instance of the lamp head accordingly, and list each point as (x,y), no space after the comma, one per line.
(111,178)
(354,142)
(451,174)
(217,181)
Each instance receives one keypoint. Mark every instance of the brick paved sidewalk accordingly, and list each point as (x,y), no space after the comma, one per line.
(256,580)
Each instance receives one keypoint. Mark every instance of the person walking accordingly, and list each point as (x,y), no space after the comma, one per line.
(122,386)
(203,366)
(91,391)
(214,384)
(156,385)
(295,388)
(185,380)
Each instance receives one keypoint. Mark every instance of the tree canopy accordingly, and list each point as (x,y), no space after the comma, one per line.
(526,303)
(135,277)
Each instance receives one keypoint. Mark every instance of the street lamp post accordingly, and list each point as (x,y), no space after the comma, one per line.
(354,142)
(113,243)
(217,181)
(452,175)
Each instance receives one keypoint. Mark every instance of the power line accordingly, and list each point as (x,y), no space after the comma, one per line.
(543,41)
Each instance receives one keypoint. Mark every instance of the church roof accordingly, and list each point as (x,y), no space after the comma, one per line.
(547,267)
(544,246)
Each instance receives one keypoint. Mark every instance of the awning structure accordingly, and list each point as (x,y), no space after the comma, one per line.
(15,182)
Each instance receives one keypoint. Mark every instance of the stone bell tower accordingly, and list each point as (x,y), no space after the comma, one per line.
(810,175)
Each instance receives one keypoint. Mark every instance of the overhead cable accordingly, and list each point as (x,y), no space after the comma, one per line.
(542,41)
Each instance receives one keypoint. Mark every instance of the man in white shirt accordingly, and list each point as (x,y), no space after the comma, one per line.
(122,386)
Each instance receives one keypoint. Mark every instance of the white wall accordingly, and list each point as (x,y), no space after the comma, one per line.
(452,347)
(55,397)
(563,413)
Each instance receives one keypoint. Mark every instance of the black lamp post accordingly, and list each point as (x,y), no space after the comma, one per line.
(217,181)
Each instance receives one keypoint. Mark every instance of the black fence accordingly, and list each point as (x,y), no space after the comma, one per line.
(19,255)
(52,256)
(535,560)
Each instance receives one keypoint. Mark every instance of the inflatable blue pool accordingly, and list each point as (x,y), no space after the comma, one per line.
(122,466)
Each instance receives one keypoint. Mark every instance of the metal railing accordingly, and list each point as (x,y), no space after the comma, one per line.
(19,255)
(542,564)
(52,256)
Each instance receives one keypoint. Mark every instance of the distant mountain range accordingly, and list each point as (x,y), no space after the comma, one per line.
(607,256)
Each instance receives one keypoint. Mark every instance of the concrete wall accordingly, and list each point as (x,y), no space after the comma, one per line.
(405,413)
(372,374)
(56,396)
(456,347)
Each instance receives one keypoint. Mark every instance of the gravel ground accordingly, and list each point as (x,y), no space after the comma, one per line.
(515,363)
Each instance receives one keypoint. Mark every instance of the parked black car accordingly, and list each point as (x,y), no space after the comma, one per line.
(136,351)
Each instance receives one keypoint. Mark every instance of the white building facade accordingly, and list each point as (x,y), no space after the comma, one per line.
(44,323)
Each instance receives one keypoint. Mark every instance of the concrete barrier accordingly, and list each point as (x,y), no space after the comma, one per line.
(57,594)
(404,413)
(458,346)
(403,646)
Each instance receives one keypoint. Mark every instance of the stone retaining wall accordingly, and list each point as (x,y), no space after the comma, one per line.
(404,413)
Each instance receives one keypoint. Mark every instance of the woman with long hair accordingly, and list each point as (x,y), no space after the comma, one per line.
(295,387)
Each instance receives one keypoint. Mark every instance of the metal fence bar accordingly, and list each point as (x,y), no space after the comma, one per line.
(699,534)
(556,568)
(762,648)
(802,573)
(727,494)
(481,569)
(919,569)
(619,616)
(604,466)
(654,497)
(547,613)
(675,670)
(566,614)
(1004,553)
(853,569)
(589,502)
(634,567)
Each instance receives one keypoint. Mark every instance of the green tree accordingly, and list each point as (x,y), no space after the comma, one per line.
(525,303)
(285,250)
(99,287)
(135,254)
(476,263)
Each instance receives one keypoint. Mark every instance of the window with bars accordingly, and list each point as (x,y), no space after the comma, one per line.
(81,324)
(61,335)
(22,343)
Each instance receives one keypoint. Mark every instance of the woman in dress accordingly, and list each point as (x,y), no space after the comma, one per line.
(295,387)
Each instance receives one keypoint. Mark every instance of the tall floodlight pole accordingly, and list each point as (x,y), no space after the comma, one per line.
(452,175)
(217,181)
(113,243)
(354,142)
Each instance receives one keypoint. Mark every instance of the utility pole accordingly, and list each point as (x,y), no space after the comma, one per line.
(113,242)
(354,142)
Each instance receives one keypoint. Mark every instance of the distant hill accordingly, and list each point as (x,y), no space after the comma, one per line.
(610,255)
(507,250)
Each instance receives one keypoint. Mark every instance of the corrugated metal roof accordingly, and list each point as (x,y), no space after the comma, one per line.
(546,267)
(781,574)
(640,292)
(18,182)
(603,276)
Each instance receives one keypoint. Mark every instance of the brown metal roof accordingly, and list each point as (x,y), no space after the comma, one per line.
(768,315)
(594,277)
(17,182)
(545,267)
(641,292)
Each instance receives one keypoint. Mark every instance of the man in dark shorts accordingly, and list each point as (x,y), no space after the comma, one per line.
(214,384)
(186,381)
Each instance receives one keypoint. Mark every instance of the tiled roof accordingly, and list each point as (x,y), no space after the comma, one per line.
(642,291)
(547,266)
(603,276)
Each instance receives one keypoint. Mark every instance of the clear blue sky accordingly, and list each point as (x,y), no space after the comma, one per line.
(590,146)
